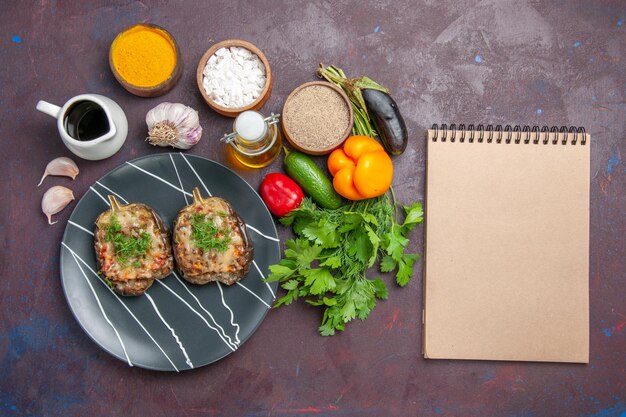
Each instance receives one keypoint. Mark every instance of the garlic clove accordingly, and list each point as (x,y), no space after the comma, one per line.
(60,166)
(54,200)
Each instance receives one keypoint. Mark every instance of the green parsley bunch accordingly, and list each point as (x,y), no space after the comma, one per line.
(326,263)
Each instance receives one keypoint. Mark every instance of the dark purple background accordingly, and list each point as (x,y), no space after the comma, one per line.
(518,62)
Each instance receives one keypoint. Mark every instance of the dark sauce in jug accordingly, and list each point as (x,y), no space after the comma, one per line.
(86,120)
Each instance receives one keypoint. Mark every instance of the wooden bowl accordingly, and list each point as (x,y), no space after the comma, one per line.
(320,151)
(232,111)
(158,89)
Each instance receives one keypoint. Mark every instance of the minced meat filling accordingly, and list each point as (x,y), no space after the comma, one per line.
(209,240)
(130,246)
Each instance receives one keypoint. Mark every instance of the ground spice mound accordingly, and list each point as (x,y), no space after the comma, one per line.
(316,118)
(144,56)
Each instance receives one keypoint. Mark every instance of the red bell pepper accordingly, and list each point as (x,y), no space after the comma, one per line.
(281,194)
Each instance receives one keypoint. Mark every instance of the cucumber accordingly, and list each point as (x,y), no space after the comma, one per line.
(310,177)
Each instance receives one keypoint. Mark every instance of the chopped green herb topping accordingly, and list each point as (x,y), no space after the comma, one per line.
(127,247)
(207,236)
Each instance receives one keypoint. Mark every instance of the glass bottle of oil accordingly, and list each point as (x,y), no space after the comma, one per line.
(256,140)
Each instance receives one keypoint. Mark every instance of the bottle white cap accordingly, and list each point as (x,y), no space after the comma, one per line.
(250,126)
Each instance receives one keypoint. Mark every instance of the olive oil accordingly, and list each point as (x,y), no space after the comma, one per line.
(255,143)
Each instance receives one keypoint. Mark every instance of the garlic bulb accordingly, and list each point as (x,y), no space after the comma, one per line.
(60,166)
(54,200)
(173,124)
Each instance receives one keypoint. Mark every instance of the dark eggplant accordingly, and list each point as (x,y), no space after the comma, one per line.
(387,120)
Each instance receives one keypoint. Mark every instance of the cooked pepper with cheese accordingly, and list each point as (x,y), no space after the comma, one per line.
(211,242)
(132,247)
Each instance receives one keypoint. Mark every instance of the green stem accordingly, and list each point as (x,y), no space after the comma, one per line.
(395,205)
(352,87)
(367,203)
(331,75)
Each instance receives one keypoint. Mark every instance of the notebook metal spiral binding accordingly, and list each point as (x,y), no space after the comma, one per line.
(509,134)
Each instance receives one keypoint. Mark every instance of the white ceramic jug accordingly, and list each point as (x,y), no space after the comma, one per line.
(107,143)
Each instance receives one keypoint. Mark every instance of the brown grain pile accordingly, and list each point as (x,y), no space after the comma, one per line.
(316,118)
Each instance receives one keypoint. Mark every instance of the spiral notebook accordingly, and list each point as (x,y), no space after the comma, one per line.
(507,244)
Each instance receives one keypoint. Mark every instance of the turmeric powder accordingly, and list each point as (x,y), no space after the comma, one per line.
(144,56)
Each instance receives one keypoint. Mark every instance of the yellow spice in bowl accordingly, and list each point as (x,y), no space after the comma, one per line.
(144,56)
